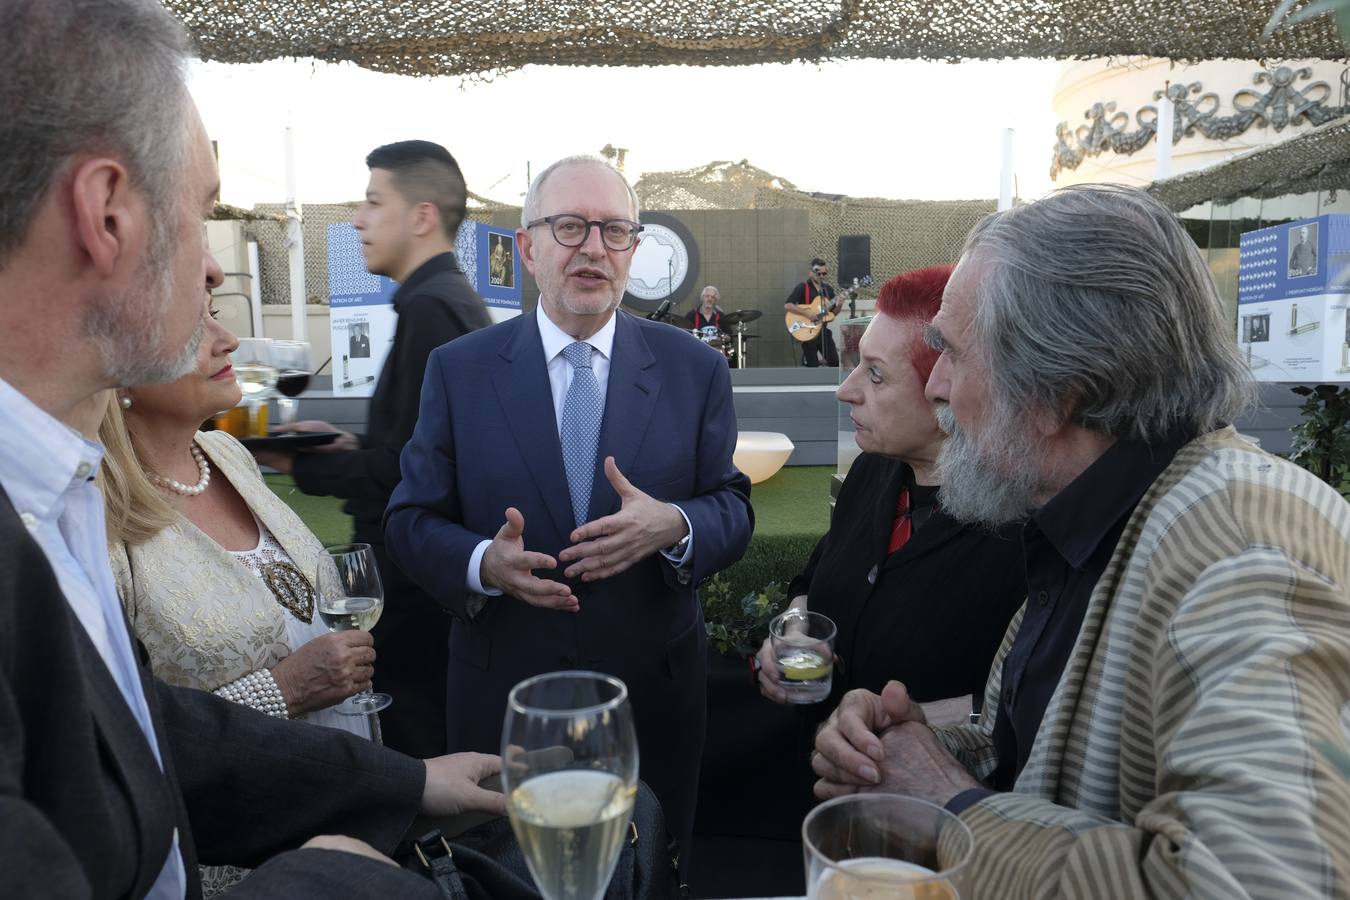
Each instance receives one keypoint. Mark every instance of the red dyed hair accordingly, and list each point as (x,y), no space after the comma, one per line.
(916,297)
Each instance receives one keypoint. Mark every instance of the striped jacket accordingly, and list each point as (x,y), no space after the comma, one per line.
(1177,755)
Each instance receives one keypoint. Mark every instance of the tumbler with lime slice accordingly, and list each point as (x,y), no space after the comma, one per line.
(803,645)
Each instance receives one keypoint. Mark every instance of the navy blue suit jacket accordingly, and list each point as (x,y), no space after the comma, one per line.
(486,439)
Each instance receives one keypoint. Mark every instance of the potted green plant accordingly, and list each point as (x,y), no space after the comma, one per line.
(1322,440)
(737,625)
(755,778)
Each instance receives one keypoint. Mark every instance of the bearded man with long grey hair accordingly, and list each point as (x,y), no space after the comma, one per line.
(1157,713)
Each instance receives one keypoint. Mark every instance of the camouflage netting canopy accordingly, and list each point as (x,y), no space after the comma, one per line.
(266,224)
(451,37)
(1317,160)
(905,234)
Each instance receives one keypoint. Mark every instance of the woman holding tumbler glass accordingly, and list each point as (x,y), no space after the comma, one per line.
(914,594)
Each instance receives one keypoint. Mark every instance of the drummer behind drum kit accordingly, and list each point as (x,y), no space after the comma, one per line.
(732,345)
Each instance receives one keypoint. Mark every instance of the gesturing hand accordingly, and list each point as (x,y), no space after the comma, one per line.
(608,546)
(509,567)
(848,747)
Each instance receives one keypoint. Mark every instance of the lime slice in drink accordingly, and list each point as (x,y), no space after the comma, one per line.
(805,666)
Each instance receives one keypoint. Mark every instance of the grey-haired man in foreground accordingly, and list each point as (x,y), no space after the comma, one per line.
(113,785)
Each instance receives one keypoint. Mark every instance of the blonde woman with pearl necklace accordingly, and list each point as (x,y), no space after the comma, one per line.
(215,572)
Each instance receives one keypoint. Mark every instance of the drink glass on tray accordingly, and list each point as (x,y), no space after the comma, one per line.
(292,362)
(256,375)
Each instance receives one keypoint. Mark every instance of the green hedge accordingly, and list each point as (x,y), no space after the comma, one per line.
(771,557)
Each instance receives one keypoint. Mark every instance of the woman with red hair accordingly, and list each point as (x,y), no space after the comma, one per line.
(915,595)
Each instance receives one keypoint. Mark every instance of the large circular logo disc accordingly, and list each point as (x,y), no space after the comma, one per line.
(665,263)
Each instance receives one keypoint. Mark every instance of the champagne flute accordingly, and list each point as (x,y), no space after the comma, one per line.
(351,597)
(291,359)
(256,375)
(569,770)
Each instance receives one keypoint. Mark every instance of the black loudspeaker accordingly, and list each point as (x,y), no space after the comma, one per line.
(855,258)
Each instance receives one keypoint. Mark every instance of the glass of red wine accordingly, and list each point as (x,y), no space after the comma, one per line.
(292,362)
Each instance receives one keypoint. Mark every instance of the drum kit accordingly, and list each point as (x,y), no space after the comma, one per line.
(732,344)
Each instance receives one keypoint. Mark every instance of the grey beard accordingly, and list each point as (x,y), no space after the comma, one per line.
(128,335)
(993,485)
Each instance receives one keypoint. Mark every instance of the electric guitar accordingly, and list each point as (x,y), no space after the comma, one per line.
(805,328)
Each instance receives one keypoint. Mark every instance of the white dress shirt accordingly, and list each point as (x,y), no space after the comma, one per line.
(559,380)
(47,469)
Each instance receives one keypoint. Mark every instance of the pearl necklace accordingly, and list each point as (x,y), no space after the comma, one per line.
(187,490)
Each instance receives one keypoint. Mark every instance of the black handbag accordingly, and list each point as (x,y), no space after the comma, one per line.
(486,862)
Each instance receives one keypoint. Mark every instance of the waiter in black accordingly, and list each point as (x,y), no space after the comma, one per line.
(813,297)
(414,204)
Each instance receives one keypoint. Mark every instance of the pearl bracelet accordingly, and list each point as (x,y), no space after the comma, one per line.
(257,689)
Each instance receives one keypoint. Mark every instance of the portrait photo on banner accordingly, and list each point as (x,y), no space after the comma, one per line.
(501,260)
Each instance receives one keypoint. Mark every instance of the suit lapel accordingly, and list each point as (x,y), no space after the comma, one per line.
(630,399)
(522,386)
(299,543)
(130,760)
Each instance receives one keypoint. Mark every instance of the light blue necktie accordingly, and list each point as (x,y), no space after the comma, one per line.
(582,409)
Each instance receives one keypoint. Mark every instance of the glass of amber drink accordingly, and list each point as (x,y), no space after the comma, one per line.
(874,846)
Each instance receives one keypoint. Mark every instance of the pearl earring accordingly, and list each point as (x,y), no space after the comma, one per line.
(125,401)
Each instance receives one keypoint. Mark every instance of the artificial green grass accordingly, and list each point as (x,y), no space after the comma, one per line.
(792,511)
(323,515)
(795,501)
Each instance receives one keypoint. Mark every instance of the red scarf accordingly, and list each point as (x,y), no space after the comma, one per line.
(902,529)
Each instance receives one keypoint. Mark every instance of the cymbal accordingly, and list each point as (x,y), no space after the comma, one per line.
(681,322)
(742,315)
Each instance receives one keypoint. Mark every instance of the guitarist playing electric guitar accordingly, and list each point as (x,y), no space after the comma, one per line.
(810,306)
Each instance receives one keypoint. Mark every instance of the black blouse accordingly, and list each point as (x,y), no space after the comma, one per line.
(932,614)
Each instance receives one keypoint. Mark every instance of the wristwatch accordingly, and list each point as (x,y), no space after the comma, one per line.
(678,548)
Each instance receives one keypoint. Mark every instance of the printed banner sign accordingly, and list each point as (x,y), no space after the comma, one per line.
(1293,291)
(361,315)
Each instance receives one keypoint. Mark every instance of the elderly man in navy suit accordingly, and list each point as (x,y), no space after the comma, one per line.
(569,484)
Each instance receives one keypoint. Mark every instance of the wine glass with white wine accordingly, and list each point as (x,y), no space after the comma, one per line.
(569,770)
(256,375)
(351,597)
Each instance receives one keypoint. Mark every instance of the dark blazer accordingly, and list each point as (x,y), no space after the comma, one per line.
(939,606)
(486,439)
(86,812)
(435,305)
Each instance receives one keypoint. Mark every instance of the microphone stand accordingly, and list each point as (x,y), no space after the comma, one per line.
(670,286)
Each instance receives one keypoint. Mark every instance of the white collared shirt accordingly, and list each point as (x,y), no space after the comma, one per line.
(555,340)
(47,469)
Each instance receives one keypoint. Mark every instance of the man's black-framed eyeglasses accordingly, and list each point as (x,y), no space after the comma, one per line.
(571,230)
(821,271)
